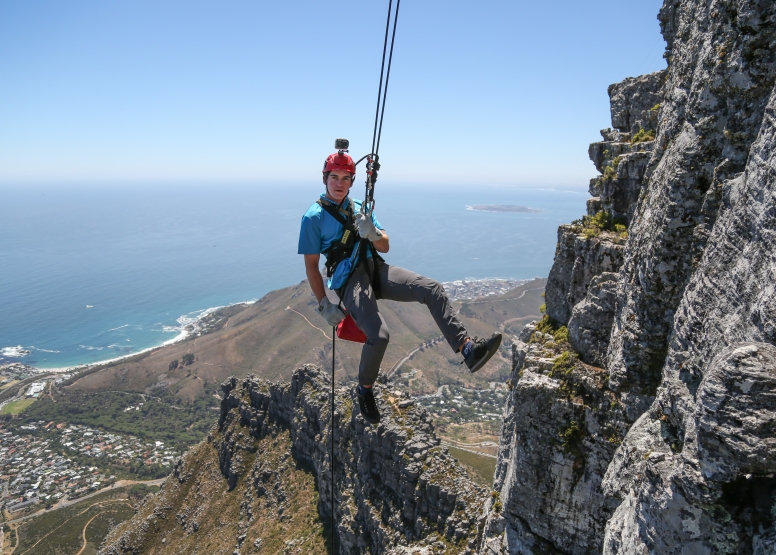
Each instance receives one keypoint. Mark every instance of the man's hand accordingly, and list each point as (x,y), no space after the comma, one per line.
(331,312)
(367,229)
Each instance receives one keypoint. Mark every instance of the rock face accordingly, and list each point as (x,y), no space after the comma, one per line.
(642,417)
(591,318)
(577,261)
(720,75)
(395,490)
(561,429)
(634,105)
(716,407)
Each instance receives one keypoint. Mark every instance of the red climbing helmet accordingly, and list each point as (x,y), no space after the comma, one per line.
(339,161)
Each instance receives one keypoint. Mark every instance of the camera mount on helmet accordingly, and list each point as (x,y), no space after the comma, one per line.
(342,161)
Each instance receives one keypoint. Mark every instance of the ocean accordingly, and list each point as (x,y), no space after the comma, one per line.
(91,272)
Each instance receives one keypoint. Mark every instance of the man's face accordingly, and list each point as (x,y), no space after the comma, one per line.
(338,184)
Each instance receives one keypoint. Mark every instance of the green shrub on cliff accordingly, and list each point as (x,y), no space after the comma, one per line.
(572,438)
(642,136)
(592,226)
(561,335)
(564,364)
(545,324)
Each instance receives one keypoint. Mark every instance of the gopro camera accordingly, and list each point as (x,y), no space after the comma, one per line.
(342,145)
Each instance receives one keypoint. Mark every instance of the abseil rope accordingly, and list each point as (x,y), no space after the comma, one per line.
(333,344)
(382,94)
(376,148)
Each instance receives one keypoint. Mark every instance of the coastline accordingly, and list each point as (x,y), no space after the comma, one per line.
(458,290)
(187,330)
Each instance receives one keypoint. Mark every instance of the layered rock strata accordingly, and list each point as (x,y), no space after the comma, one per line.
(721,72)
(680,320)
(393,485)
(560,431)
(699,466)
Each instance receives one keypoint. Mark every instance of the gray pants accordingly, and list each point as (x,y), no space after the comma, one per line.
(396,284)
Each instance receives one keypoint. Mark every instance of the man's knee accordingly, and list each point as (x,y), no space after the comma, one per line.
(381,338)
(432,289)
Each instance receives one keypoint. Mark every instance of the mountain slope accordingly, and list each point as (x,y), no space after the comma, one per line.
(280,332)
(256,481)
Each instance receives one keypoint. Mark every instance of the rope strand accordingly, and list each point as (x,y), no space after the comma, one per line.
(382,95)
(333,344)
(382,67)
(388,75)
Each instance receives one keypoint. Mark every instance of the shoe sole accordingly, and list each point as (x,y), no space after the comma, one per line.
(494,344)
(370,420)
(364,416)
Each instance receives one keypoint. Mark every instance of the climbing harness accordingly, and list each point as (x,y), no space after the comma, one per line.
(347,329)
(339,250)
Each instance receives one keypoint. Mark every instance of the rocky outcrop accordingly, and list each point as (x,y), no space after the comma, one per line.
(682,323)
(721,71)
(577,261)
(561,428)
(591,319)
(634,102)
(622,157)
(711,433)
(393,486)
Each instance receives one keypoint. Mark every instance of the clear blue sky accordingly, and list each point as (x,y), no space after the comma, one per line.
(480,92)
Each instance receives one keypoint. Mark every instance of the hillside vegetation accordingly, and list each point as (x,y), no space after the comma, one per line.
(172,394)
(280,332)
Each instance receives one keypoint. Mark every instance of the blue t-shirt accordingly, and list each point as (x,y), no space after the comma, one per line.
(320,229)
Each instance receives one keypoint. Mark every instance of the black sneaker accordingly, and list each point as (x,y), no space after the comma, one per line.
(482,351)
(368,406)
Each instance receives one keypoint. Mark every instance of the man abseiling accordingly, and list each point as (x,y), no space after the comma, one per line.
(329,227)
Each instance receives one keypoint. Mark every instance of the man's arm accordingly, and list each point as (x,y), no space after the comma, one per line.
(314,278)
(382,244)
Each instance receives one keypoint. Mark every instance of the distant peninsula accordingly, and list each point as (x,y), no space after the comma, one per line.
(502,208)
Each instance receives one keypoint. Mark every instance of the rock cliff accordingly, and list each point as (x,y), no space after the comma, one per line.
(395,489)
(642,415)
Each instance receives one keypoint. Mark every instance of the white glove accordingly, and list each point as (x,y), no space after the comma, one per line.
(367,229)
(331,312)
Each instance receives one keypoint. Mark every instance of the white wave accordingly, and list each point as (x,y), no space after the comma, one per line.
(89,348)
(14,352)
(120,327)
(89,306)
(43,350)
(196,315)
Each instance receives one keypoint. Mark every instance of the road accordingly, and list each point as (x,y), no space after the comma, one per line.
(409,356)
(308,321)
(62,503)
(502,299)
(480,453)
(83,532)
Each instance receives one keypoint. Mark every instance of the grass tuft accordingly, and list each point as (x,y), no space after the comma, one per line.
(643,136)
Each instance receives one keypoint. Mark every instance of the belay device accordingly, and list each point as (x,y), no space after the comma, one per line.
(347,328)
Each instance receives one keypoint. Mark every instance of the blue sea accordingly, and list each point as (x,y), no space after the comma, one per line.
(90,272)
